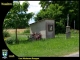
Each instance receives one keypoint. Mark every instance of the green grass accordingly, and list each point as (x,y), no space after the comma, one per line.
(55,47)
(51,47)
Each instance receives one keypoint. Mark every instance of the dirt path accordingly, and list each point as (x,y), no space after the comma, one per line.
(76,54)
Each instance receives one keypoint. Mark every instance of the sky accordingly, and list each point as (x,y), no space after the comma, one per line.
(33,7)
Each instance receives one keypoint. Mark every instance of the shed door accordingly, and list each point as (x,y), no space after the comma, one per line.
(49,30)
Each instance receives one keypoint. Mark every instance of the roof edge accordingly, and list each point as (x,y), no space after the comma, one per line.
(42,20)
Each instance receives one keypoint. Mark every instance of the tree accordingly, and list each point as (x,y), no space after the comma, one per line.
(51,12)
(59,10)
(19,11)
(17,16)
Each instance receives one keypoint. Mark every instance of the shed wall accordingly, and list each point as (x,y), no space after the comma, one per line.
(39,28)
(42,27)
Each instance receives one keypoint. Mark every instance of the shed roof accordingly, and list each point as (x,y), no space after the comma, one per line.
(40,21)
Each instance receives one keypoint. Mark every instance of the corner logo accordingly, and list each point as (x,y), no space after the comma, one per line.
(4,53)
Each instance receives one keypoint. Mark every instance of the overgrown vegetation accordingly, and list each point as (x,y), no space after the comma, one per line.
(10,40)
(58,10)
(59,28)
(55,47)
(26,31)
(18,16)
(6,33)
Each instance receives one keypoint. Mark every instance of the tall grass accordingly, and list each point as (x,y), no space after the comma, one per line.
(54,47)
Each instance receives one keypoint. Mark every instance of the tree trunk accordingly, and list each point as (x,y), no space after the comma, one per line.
(16,33)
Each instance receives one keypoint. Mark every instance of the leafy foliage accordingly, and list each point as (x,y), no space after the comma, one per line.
(17,15)
(58,10)
(6,34)
(60,28)
(51,12)
(10,40)
(26,31)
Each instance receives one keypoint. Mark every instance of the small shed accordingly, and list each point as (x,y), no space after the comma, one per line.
(45,27)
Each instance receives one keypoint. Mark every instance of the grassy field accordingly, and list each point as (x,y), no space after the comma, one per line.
(12,31)
(54,47)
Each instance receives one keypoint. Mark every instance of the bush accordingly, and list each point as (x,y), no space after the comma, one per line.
(6,34)
(11,40)
(59,28)
(26,31)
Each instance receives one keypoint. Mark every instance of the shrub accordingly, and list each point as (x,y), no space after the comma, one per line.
(59,28)
(6,33)
(26,31)
(11,40)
